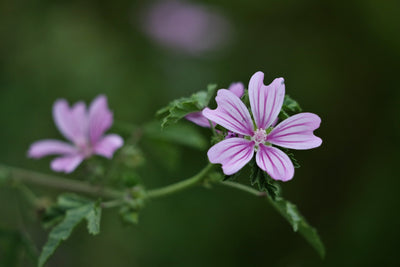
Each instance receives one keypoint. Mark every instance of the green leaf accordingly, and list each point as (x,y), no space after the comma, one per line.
(299,224)
(68,201)
(179,108)
(291,106)
(93,219)
(76,209)
(263,180)
(14,245)
(63,230)
(185,134)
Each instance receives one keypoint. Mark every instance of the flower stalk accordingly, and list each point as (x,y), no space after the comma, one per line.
(179,186)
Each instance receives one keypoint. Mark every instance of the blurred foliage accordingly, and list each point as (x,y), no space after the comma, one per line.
(339,60)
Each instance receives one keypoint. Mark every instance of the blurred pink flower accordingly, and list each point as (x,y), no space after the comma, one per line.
(199,119)
(187,27)
(296,132)
(85,129)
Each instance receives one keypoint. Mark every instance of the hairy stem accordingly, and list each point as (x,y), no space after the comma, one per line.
(25,176)
(179,186)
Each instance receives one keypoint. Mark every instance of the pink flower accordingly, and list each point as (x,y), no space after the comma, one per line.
(199,119)
(85,129)
(185,26)
(295,132)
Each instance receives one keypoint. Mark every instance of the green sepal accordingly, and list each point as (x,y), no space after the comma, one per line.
(179,108)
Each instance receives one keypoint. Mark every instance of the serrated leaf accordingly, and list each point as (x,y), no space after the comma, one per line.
(75,209)
(182,134)
(263,180)
(63,230)
(299,224)
(93,219)
(179,108)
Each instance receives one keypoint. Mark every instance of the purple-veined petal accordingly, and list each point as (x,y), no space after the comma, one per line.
(265,101)
(199,119)
(80,120)
(108,145)
(100,118)
(50,147)
(66,164)
(71,122)
(296,132)
(232,153)
(237,89)
(231,113)
(275,162)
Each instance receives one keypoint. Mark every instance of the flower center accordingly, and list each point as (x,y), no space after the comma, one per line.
(260,136)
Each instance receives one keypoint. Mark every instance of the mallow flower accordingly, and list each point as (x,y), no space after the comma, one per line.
(198,118)
(260,137)
(85,129)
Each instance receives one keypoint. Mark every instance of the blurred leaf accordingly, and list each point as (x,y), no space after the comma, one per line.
(4,176)
(179,108)
(76,209)
(263,180)
(93,219)
(69,201)
(299,224)
(166,154)
(182,134)
(131,156)
(12,245)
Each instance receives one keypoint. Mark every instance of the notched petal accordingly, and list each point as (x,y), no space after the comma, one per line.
(265,101)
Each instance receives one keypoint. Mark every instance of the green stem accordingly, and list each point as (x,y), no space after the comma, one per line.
(179,186)
(243,187)
(20,175)
(212,127)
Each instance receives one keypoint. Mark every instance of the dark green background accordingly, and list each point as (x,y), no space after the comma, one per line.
(340,60)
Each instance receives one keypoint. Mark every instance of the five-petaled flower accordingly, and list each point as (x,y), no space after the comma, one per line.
(85,129)
(296,132)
